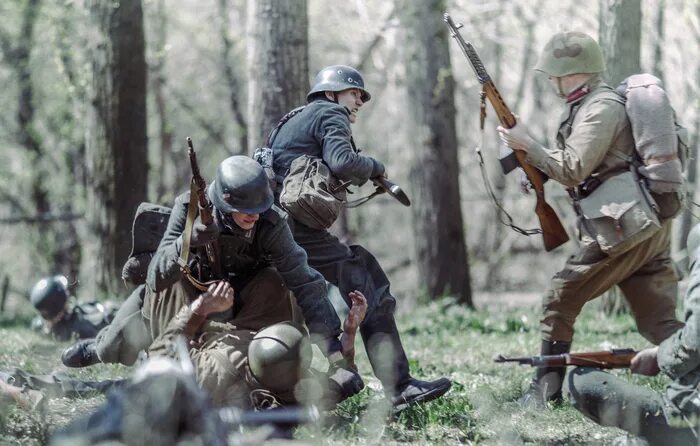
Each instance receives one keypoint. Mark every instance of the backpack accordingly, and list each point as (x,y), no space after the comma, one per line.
(150,223)
(660,142)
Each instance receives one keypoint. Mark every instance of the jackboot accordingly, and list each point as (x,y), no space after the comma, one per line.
(548,381)
(81,354)
(390,365)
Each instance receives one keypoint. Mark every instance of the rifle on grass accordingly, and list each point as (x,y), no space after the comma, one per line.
(617,358)
(553,232)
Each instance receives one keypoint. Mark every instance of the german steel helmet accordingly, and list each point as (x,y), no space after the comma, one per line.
(338,78)
(240,186)
(279,355)
(571,52)
(49,296)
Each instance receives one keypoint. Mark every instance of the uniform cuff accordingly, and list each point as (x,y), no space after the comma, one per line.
(536,155)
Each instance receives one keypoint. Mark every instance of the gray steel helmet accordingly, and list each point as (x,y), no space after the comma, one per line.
(49,296)
(693,245)
(279,355)
(571,52)
(240,186)
(338,78)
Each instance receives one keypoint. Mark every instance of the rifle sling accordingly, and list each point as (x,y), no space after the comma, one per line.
(192,208)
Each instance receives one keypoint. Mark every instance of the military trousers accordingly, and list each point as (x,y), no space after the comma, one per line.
(220,349)
(127,335)
(353,268)
(645,274)
(611,401)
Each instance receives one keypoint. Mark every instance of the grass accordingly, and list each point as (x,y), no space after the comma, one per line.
(442,339)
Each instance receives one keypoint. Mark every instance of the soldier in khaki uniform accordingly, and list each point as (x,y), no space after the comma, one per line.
(667,418)
(623,241)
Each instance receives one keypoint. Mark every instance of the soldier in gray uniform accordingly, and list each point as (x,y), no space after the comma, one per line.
(64,321)
(259,259)
(622,241)
(670,417)
(322,129)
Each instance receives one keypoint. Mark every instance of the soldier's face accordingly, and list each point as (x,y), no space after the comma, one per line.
(352,100)
(245,221)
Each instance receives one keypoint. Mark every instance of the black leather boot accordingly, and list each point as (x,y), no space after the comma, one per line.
(548,381)
(81,354)
(390,365)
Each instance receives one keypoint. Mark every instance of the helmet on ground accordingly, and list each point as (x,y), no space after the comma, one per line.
(693,245)
(240,186)
(279,355)
(571,52)
(49,296)
(338,78)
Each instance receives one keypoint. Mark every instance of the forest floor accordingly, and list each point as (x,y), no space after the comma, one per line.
(442,339)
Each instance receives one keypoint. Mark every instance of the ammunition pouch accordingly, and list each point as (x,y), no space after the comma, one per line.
(618,213)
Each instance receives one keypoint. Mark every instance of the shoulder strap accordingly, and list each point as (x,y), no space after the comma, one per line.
(273,133)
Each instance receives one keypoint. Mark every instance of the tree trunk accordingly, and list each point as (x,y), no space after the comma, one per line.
(278,63)
(234,84)
(437,218)
(620,33)
(620,24)
(117,139)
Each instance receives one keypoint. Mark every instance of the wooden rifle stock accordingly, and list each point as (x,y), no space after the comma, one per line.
(607,359)
(205,206)
(553,232)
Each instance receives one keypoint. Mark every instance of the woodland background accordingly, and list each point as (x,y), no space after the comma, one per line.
(98,98)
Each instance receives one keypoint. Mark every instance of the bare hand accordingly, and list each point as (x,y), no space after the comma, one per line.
(218,298)
(357,312)
(517,138)
(645,362)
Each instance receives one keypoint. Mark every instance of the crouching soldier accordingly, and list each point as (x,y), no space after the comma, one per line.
(61,319)
(672,416)
(258,260)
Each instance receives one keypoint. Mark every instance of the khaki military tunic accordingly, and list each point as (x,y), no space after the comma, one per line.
(595,140)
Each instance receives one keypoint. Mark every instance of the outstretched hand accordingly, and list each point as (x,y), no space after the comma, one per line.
(357,312)
(356,315)
(218,298)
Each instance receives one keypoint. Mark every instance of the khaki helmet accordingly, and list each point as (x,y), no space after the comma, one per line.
(279,355)
(693,245)
(571,52)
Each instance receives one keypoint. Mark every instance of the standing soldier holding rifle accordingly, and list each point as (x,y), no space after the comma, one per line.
(624,240)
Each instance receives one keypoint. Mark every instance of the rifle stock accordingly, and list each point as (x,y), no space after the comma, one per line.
(607,359)
(205,206)
(553,232)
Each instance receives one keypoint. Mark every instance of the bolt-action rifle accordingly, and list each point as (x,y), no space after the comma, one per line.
(553,232)
(205,206)
(617,358)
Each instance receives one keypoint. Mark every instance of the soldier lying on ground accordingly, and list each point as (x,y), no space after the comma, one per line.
(65,321)
(278,356)
(671,417)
